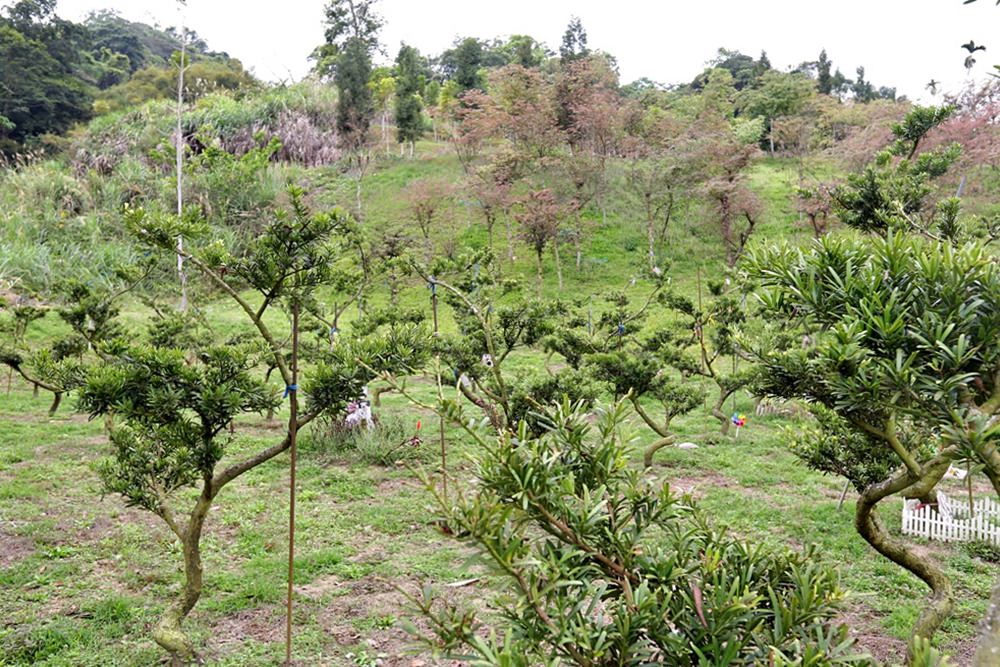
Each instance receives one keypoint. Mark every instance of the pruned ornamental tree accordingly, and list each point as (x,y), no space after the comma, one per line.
(894,190)
(639,375)
(494,320)
(60,366)
(703,343)
(169,447)
(588,327)
(603,568)
(901,347)
(905,351)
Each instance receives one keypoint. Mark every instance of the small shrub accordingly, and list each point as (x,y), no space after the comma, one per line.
(391,440)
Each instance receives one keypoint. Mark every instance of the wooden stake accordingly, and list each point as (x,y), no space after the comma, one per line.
(293,417)
(843,495)
(443,444)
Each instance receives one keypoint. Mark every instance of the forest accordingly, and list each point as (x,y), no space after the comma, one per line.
(488,357)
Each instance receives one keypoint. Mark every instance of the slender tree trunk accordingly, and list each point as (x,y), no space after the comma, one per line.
(870,527)
(385,131)
(510,239)
(578,240)
(718,412)
(168,632)
(555,253)
(538,267)
(650,232)
(56,400)
(357,195)
(179,166)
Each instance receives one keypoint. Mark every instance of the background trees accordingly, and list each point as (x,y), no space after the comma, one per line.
(409,121)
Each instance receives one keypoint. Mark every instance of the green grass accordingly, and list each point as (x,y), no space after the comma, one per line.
(87,576)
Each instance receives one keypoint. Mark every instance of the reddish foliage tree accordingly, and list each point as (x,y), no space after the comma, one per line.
(539,214)
(425,199)
(736,206)
(816,204)
(664,164)
(526,111)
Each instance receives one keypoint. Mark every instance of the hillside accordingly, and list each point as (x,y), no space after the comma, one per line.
(488,357)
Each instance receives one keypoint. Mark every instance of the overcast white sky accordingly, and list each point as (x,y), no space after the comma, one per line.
(900,42)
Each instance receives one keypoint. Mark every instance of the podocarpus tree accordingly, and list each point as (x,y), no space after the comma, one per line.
(902,347)
(60,366)
(638,374)
(585,327)
(703,343)
(604,569)
(495,319)
(172,412)
(905,352)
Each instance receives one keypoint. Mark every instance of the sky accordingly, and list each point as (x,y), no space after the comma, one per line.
(902,43)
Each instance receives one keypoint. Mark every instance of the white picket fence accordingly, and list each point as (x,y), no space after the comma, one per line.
(949,521)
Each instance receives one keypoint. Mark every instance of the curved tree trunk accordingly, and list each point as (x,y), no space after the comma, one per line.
(56,400)
(719,414)
(870,527)
(988,647)
(660,443)
(168,632)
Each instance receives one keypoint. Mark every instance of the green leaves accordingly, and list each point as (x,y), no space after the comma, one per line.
(606,569)
(171,413)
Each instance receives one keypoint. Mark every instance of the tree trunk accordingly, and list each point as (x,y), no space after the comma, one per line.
(555,253)
(510,239)
(179,166)
(538,267)
(988,649)
(718,413)
(168,632)
(491,220)
(647,456)
(385,130)
(869,526)
(578,241)
(357,195)
(56,400)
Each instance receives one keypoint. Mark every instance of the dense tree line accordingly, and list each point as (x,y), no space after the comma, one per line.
(57,73)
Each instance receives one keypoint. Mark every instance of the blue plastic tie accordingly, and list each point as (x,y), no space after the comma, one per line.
(290,387)
(433,285)
(621,329)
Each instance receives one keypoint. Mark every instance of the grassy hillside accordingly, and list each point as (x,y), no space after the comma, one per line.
(85,576)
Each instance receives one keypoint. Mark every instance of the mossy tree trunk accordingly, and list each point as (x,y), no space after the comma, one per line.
(870,527)
(168,631)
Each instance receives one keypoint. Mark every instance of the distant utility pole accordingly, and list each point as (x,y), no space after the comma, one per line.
(179,153)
